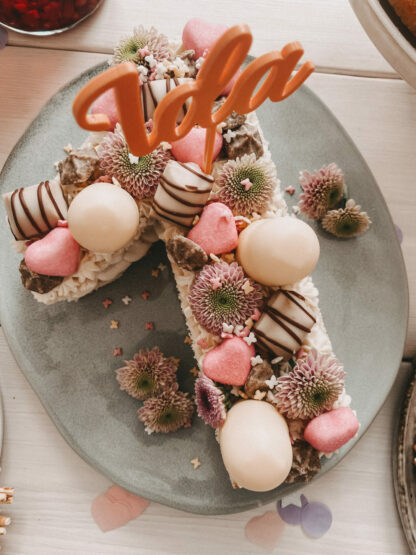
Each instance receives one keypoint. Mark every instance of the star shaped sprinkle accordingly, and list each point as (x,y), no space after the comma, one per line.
(249,323)
(256,314)
(259,395)
(227,328)
(272,382)
(290,190)
(229,135)
(155,273)
(118,351)
(149,326)
(106,303)
(114,324)
(195,462)
(194,371)
(228,257)
(238,329)
(256,360)
(235,391)
(216,283)
(251,338)
(187,340)
(247,288)
(246,183)
(126,300)
(145,295)
(144,51)
(162,266)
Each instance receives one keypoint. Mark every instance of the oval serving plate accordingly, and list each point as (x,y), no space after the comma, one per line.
(66,350)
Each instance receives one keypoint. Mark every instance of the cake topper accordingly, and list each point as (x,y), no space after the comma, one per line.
(220,65)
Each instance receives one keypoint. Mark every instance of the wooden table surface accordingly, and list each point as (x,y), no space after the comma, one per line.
(54,487)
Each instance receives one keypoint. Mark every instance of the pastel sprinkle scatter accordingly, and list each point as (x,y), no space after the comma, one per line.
(114,324)
(187,340)
(107,302)
(149,326)
(272,382)
(399,233)
(290,190)
(155,273)
(118,351)
(265,530)
(126,300)
(251,338)
(196,463)
(316,519)
(290,514)
(116,507)
(3,38)
(145,295)
(227,328)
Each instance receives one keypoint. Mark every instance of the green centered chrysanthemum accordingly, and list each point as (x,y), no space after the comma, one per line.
(322,191)
(346,222)
(260,178)
(166,413)
(128,49)
(138,175)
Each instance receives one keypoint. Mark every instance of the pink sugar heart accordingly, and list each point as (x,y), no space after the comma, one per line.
(230,362)
(215,231)
(331,430)
(106,104)
(200,35)
(116,507)
(57,254)
(191,147)
(265,530)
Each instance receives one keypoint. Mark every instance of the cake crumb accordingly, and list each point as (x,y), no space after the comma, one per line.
(145,295)
(106,303)
(126,300)
(149,326)
(114,324)
(195,462)
(118,351)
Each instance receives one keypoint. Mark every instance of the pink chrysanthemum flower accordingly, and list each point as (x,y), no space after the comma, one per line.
(346,222)
(139,176)
(166,413)
(209,402)
(312,387)
(322,191)
(143,42)
(148,374)
(218,295)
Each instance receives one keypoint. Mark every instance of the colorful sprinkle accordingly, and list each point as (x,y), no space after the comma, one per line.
(228,257)
(259,395)
(247,184)
(194,371)
(195,462)
(290,190)
(149,326)
(114,324)
(118,351)
(215,283)
(188,340)
(126,300)
(106,303)
(162,266)
(251,338)
(155,273)
(145,295)
(247,288)
(203,343)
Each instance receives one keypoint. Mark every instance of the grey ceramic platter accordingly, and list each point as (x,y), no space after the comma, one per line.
(65,350)
(404,471)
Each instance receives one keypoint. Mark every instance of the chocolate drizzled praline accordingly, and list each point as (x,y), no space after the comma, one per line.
(37,282)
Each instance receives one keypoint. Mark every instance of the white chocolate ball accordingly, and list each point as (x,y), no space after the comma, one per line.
(278,251)
(255,446)
(103,217)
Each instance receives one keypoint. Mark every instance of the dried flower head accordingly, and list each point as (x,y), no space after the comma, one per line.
(219,294)
(143,42)
(311,388)
(209,402)
(346,222)
(148,374)
(322,191)
(166,413)
(246,184)
(139,176)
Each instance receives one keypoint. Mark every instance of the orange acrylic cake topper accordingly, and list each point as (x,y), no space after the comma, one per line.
(222,62)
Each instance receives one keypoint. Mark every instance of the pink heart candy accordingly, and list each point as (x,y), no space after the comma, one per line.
(116,507)
(106,104)
(331,430)
(57,254)
(215,231)
(191,147)
(265,530)
(230,362)
(200,35)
